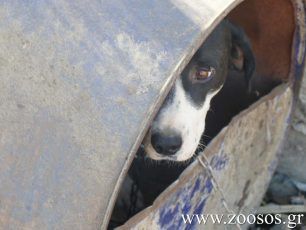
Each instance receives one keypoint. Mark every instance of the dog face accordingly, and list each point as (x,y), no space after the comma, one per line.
(177,128)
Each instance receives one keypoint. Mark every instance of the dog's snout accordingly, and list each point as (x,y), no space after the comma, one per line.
(166,144)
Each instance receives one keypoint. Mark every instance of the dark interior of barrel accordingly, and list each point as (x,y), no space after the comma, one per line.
(269,25)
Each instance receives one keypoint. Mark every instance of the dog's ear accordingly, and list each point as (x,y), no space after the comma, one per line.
(242,57)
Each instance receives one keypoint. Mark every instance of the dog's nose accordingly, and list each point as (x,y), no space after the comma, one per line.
(166,144)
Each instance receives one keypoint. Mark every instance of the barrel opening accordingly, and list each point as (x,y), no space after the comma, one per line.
(270,26)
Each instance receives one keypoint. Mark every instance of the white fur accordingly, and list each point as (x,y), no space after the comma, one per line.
(183,116)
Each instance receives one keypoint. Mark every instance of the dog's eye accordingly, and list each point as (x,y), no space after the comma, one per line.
(204,74)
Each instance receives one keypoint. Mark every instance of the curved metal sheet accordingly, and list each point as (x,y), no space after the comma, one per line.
(80,81)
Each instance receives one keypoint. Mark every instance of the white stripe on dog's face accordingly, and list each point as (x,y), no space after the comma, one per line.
(185,118)
(177,129)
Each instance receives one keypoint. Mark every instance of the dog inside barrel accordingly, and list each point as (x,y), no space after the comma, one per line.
(187,120)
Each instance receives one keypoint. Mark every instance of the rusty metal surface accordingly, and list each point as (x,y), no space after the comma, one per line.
(239,164)
(79,82)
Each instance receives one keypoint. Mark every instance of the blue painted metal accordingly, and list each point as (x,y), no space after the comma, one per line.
(190,199)
(80,80)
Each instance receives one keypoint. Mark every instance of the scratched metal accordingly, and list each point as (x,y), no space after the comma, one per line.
(241,170)
(80,80)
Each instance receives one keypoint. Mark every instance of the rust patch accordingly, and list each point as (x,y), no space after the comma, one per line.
(270,26)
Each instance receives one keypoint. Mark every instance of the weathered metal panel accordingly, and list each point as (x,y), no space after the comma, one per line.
(231,175)
(293,157)
(79,82)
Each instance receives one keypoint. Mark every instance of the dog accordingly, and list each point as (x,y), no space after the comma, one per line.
(178,126)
